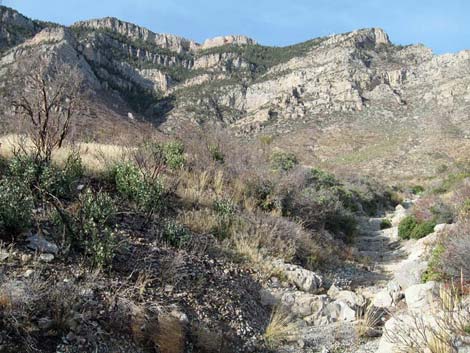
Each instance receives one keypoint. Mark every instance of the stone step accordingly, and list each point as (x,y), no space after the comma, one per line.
(379,255)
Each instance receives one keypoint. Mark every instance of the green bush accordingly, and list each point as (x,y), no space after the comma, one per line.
(434,269)
(174,155)
(411,228)
(322,179)
(94,227)
(417,189)
(422,229)
(152,156)
(16,206)
(224,208)
(175,234)
(385,224)
(146,195)
(283,161)
(61,182)
(406,226)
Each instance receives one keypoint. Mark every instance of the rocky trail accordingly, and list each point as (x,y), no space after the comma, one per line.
(329,320)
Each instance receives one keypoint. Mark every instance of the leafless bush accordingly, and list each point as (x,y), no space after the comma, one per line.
(49,98)
(457,247)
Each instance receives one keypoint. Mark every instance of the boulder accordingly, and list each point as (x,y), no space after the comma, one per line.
(38,243)
(410,272)
(303,279)
(339,311)
(352,299)
(421,296)
(383,299)
(400,213)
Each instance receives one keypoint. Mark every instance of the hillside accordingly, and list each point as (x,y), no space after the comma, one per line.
(348,99)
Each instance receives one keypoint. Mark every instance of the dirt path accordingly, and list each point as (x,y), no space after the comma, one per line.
(383,254)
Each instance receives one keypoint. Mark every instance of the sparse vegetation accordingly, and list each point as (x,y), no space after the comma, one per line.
(282,328)
(385,224)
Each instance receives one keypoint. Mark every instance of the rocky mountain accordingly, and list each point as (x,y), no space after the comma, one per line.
(348,99)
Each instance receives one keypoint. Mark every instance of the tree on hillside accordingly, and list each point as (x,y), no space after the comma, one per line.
(48,98)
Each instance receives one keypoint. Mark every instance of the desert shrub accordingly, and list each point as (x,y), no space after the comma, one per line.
(16,206)
(343,222)
(434,269)
(322,179)
(174,154)
(283,161)
(216,152)
(452,180)
(175,233)
(226,218)
(454,260)
(94,224)
(422,229)
(89,226)
(406,226)
(411,228)
(432,208)
(146,195)
(40,177)
(261,190)
(152,158)
(224,208)
(417,189)
(442,213)
(385,224)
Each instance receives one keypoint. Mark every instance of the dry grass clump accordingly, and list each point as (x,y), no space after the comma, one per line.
(369,321)
(248,246)
(151,328)
(199,221)
(282,328)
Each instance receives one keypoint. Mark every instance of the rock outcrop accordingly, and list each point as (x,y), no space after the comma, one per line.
(227,40)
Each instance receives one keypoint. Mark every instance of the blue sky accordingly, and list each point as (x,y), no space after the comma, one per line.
(442,25)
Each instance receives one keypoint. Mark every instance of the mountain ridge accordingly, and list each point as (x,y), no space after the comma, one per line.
(356,81)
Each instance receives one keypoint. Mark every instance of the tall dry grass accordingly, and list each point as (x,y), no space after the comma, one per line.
(95,157)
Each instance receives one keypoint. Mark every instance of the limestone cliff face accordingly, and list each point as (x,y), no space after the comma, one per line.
(360,77)
(129,30)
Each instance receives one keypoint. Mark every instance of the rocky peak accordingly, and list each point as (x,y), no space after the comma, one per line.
(9,16)
(362,38)
(228,40)
(14,28)
(134,32)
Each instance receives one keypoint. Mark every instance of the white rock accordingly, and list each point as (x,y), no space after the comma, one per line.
(46,257)
(351,298)
(421,296)
(383,299)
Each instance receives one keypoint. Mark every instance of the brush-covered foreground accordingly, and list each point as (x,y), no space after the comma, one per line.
(165,245)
